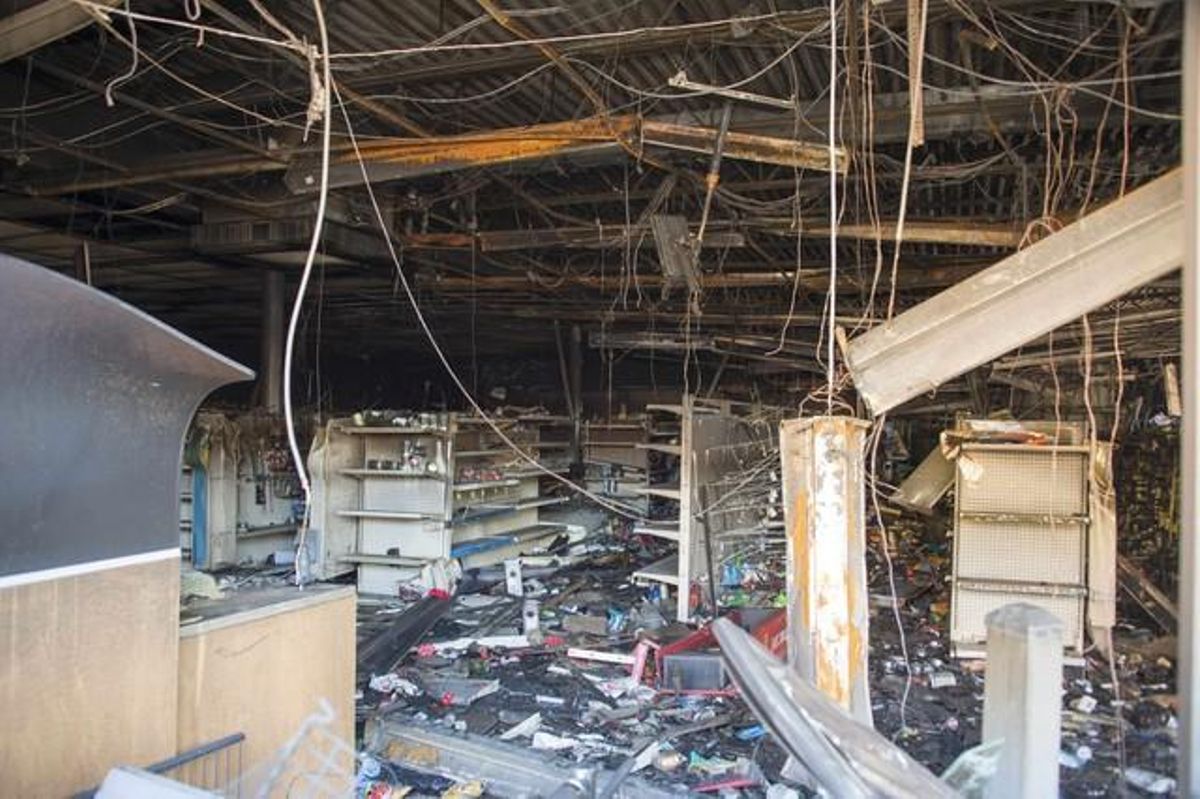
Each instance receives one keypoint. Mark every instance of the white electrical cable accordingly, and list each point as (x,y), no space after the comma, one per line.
(830,366)
(918,83)
(290,341)
(133,65)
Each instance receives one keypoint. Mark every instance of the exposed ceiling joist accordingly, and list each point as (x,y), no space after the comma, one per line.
(809,280)
(965,232)
(397,159)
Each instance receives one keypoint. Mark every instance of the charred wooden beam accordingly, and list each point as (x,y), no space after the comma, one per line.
(561,237)
(810,280)
(396,159)
(960,232)
(742,146)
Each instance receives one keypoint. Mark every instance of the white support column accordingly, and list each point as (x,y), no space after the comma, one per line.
(1189,523)
(823,495)
(1102,548)
(1022,698)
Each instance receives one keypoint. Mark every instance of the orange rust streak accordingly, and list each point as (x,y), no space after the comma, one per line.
(493,146)
(800,554)
(831,680)
(855,633)
(438,240)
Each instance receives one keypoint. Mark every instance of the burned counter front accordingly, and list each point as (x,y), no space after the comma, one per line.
(96,398)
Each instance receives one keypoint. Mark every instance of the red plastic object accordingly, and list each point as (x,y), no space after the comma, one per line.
(771,633)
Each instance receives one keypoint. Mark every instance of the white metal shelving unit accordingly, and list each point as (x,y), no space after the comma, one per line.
(1020,534)
(388,500)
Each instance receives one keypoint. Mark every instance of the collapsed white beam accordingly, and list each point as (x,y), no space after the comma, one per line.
(1110,252)
(26,30)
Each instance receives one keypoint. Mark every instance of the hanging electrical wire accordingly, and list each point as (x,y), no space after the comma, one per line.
(320,102)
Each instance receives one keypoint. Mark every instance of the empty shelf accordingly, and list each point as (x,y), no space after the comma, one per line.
(666,492)
(391,431)
(399,515)
(392,473)
(481,484)
(670,449)
(485,509)
(663,571)
(526,504)
(493,542)
(519,473)
(383,560)
(273,529)
(659,529)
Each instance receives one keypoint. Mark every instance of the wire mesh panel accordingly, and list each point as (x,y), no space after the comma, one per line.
(1032,480)
(972,605)
(1039,553)
(1021,528)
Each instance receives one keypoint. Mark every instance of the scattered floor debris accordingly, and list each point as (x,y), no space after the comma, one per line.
(613,689)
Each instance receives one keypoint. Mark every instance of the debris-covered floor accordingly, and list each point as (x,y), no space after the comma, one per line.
(577,679)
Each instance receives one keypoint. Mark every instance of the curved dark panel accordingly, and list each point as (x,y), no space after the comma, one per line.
(95,397)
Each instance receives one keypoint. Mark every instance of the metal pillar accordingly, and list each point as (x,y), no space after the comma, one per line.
(271,339)
(575,366)
(1102,548)
(1021,700)
(1189,554)
(823,496)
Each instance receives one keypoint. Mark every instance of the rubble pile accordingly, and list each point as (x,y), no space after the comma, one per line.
(580,671)
(1148,497)
(1109,728)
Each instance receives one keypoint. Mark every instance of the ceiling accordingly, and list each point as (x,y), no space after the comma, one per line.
(196,177)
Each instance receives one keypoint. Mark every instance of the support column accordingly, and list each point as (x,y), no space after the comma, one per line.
(1102,548)
(1022,700)
(575,365)
(823,496)
(270,381)
(1189,523)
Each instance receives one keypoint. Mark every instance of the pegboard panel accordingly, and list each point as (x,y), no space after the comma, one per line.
(1037,553)
(1025,480)
(972,605)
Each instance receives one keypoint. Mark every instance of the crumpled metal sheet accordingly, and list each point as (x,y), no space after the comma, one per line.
(846,758)
(927,484)
(508,771)
(97,396)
